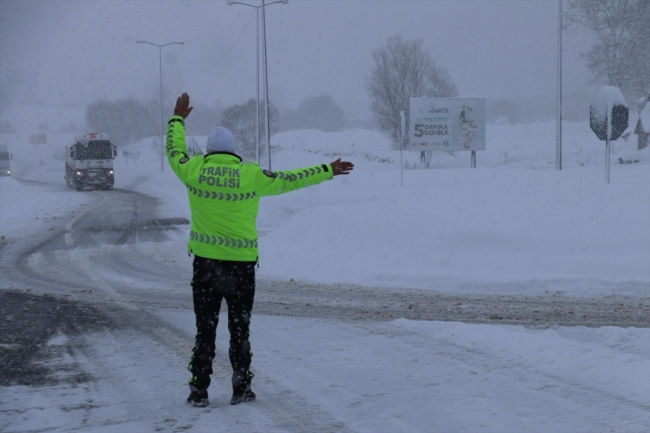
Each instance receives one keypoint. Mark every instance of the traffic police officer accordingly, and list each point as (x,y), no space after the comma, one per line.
(224,195)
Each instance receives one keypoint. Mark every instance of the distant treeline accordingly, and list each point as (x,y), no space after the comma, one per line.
(131,120)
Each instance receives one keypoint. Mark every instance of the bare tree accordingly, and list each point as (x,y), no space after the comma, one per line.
(621,54)
(240,120)
(315,112)
(126,121)
(403,69)
(204,118)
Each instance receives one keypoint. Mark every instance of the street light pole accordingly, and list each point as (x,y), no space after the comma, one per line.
(257,106)
(266,91)
(162,121)
(558,131)
(266,79)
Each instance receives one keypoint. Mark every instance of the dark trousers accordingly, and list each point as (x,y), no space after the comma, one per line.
(213,281)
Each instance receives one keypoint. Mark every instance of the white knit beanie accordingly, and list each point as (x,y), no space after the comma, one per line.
(221,140)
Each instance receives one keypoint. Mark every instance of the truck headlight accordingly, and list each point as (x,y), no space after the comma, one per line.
(110,171)
(78,173)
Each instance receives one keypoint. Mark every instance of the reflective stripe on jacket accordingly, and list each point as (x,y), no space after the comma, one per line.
(225,193)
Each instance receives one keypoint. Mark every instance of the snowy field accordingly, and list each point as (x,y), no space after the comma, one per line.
(513,225)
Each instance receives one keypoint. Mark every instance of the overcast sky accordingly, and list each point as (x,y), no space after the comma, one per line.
(85,50)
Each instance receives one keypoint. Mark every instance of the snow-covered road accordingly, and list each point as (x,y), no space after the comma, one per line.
(333,358)
(122,369)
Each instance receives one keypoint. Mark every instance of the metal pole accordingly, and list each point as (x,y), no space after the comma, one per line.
(401,148)
(266,78)
(607,154)
(266,89)
(257,107)
(558,139)
(607,139)
(162,122)
(473,159)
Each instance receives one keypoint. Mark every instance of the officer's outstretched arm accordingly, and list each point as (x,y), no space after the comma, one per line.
(175,145)
(280,182)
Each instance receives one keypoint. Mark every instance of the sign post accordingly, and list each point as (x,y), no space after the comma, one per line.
(447,124)
(401,146)
(128,154)
(608,118)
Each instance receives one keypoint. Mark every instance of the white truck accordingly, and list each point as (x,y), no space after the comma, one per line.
(89,162)
(5,157)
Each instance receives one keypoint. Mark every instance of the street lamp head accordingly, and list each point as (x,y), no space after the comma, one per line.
(139,42)
(230,2)
(284,2)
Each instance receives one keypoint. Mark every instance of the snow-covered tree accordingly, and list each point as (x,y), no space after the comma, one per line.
(126,121)
(316,112)
(240,120)
(403,69)
(205,117)
(620,56)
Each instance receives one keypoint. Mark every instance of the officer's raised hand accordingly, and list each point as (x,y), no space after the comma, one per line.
(183,108)
(341,167)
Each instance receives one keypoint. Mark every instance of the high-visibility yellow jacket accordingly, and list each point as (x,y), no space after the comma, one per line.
(225,193)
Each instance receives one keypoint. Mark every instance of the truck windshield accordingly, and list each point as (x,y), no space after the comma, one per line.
(95,150)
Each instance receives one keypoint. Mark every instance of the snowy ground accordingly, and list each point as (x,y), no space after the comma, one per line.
(514,225)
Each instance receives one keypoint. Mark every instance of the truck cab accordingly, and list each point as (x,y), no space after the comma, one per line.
(5,157)
(89,162)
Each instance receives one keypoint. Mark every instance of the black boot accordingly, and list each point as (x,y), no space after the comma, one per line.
(198,397)
(243,396)
(241,388)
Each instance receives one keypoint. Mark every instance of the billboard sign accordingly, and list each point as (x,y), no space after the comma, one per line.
(448,124)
